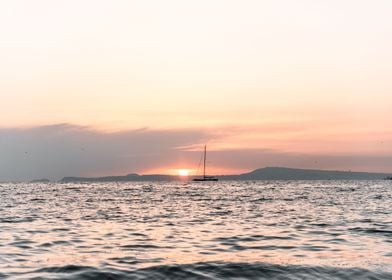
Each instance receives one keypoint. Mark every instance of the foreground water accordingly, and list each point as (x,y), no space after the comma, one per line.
(225,230)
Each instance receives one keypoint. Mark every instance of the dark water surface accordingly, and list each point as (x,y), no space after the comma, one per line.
(225,230)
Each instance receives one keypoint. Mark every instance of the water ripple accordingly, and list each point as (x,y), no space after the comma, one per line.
(224,230)
(214,271)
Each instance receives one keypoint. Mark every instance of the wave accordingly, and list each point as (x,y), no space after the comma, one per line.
(208,271)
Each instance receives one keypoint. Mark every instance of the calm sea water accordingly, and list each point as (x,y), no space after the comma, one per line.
(225,230)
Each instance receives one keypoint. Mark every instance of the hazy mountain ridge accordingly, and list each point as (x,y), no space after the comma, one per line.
(284,173)
(267,173)
(126,178)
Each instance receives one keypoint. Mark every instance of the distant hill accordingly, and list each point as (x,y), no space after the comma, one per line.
(126,178)
(44,180)
(267,173)
(284,173)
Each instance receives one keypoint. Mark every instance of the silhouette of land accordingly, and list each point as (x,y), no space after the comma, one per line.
(43,180)
(267,173)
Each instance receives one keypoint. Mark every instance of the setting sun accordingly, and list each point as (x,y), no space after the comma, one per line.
(183,172)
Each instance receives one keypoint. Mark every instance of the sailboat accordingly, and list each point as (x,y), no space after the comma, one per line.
(205,178)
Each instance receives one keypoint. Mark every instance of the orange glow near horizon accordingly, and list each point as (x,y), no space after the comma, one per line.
(212,170)
(183,172)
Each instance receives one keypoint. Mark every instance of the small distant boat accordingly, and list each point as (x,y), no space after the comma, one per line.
(205,178)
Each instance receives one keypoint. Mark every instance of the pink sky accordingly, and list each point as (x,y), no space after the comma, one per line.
(305,79)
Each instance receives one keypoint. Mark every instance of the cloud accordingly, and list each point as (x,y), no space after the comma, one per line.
(249,159)
(59,150)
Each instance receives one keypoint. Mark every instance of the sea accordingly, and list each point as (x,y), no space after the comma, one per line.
(203,230)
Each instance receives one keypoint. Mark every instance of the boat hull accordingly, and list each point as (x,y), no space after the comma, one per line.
(205,180)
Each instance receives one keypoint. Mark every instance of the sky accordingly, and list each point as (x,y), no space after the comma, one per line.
(91,88)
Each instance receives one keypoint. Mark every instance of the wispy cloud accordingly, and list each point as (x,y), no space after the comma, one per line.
(60,150)
(64,149)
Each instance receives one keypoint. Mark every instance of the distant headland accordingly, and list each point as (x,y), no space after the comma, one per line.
(267,173)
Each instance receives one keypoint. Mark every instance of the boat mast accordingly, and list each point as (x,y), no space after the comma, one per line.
(205,158)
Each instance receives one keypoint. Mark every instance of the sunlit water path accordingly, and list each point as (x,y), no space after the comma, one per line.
(254,230)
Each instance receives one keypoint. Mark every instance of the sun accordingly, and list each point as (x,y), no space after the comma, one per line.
(183,172)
